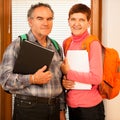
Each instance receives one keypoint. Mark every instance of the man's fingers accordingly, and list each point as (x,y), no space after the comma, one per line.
(43,68)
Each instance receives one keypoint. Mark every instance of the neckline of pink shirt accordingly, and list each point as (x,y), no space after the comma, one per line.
(80,37)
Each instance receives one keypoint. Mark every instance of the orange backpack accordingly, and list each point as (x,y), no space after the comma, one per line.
(110,85)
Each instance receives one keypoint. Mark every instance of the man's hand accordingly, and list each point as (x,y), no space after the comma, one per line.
(41,76)
(62,115)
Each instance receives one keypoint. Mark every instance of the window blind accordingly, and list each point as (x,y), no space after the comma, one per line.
(60,29)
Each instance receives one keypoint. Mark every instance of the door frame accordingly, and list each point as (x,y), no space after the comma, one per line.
(6,38)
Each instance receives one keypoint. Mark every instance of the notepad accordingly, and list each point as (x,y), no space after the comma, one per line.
(78,61)
(32,57)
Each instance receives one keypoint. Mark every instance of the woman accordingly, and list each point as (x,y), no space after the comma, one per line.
(83,104)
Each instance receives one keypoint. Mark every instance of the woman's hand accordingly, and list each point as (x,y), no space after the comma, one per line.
(65,66)
(68,84)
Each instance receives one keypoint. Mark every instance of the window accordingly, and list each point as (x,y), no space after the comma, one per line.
(60,27)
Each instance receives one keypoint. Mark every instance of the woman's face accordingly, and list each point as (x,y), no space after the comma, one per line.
(78,23)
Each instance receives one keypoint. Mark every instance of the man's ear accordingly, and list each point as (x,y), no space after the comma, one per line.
(30,22)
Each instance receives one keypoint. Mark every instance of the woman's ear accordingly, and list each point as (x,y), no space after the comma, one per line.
(68,21)
(89,22)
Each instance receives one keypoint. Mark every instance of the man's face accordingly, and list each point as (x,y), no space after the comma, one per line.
(41,21)
(78,23)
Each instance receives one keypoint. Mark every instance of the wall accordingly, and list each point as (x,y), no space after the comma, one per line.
(110,37)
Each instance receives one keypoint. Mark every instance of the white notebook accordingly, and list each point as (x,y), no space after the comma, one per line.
(78,60)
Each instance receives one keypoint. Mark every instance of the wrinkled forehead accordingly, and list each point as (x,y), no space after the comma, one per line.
(44,12)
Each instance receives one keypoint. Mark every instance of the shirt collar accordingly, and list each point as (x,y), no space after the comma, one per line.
(80,37)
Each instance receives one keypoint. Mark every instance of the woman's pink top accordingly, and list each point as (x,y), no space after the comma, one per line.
(86,98)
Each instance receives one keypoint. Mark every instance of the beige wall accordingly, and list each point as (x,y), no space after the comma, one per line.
(111,38)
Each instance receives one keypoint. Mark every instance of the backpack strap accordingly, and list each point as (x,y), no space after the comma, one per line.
(66,45)
(85,44)
(118,70)
(23,37)
(118,66)
(56,45)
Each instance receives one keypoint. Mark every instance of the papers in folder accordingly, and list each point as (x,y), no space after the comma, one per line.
(32,57)
(78,60)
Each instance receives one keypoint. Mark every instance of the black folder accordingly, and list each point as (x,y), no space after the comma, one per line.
(32,57)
